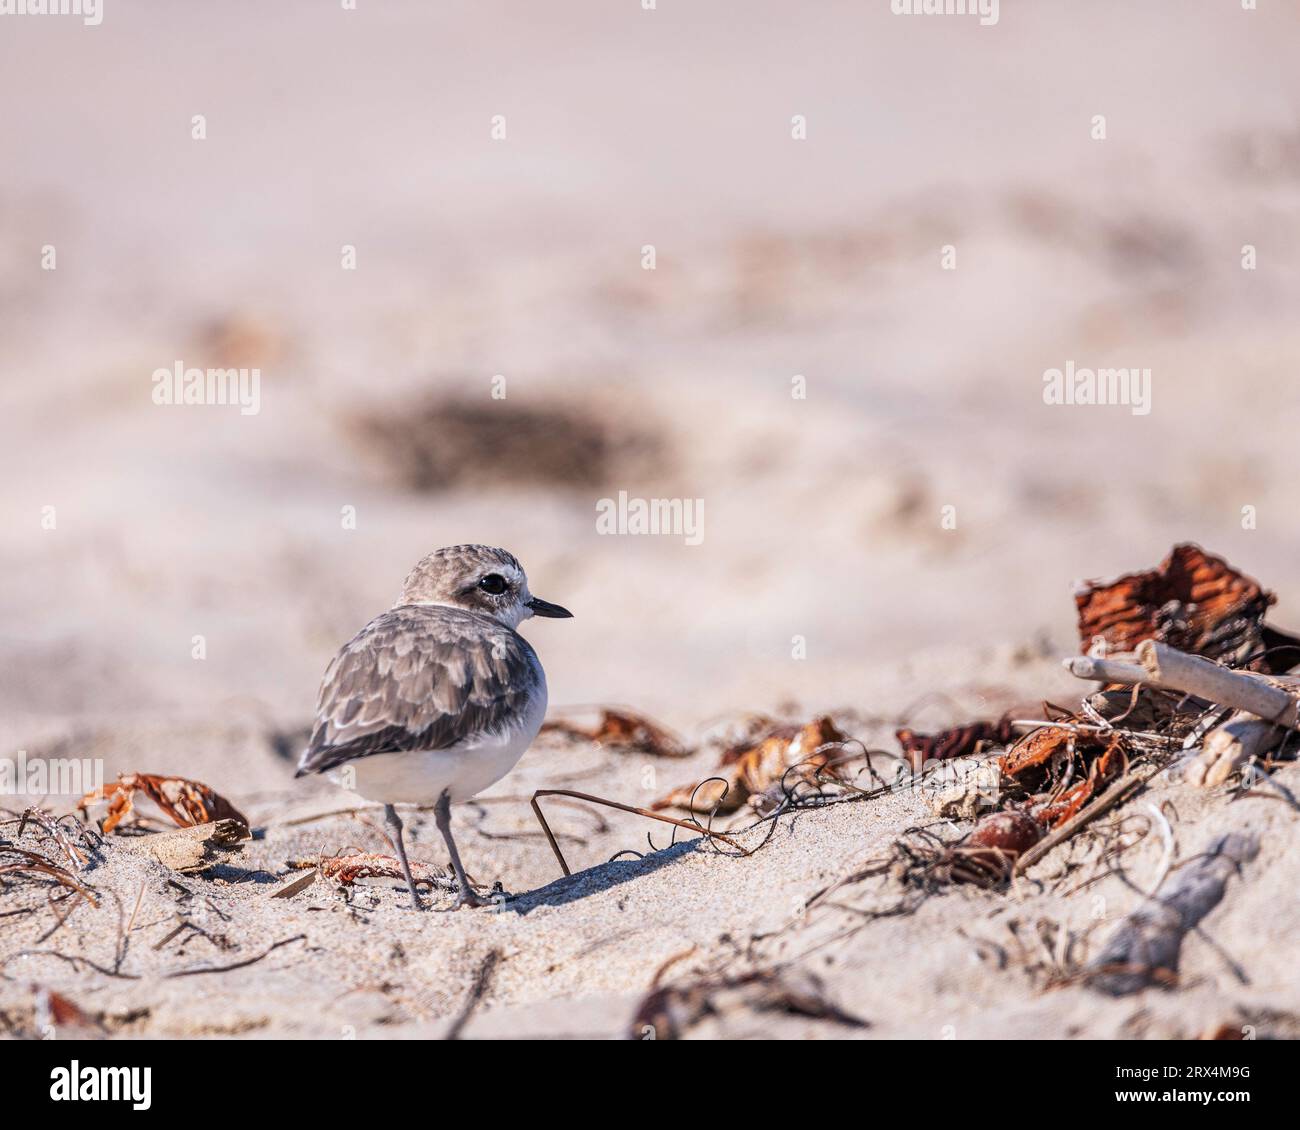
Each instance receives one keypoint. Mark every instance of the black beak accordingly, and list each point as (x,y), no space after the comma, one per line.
(546,608)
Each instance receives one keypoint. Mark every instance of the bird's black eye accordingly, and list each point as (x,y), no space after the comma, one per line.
(493,583)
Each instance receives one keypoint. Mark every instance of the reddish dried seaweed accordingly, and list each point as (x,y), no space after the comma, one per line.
(959,741)
(187,802)
(1195,602)
(625,731)
(802,753)
(347,869)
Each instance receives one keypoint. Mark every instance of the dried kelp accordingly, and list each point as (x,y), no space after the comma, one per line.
(810,755)
(1193,601)
(959,741)
(669,1012)
(186,802)
(623,731)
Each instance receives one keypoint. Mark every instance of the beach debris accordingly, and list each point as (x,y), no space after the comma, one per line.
(194,970)
(1045,762)
(669,1012)
(59,834)
(1119,791)
(789,756)
(191,849)
(15,861)
(958,789)
(1102,769)
(296,886)
(56,1016)
(1044,753)
(187,802)
(1144,949)
(624,731)
(1272,697)
(1008,832)
(985,857)
(691,825)
(988,855)
(1265,707)
(348,869)
(1193,601)
(959,741)
(1242,738)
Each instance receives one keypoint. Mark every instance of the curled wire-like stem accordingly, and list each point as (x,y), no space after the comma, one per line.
(555,847)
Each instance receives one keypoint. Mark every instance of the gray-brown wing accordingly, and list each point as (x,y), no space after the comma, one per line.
(419,678)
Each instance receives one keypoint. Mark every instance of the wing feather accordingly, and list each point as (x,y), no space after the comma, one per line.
(419,677)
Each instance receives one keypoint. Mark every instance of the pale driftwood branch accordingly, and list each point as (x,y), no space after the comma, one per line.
(1228,748)
(1168,667)
(1145,947)
(1106,670)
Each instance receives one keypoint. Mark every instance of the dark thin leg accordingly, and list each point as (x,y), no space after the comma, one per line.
(467,897)
(395,834)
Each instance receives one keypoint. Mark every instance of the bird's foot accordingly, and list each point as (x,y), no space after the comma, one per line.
(468,896)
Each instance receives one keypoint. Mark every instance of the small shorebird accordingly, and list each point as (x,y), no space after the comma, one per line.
(437,698)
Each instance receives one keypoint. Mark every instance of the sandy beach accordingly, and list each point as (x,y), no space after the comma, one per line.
(896,547)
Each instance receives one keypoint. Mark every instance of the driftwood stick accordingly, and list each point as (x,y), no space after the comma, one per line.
(1106,670)
(1144,949)
(1169,667)
(1230,746)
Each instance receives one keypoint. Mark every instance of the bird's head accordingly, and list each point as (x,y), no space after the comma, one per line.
(477,578)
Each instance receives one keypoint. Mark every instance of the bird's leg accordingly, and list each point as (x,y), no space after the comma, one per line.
(467,896)
(394,823)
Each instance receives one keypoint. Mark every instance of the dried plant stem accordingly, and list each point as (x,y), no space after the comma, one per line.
(555,847)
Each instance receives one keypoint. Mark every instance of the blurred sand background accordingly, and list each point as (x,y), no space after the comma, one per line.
(522,257)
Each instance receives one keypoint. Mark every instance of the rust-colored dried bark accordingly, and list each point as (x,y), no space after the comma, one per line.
(1193,601)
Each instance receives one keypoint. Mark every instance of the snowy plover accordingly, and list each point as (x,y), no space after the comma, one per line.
(437,698)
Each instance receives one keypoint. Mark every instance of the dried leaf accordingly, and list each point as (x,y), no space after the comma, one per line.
(959,741)
(187,802)
(1029,762)
(56,1014)
(1193,601)
(624,731)
(1101,771)
(789,755)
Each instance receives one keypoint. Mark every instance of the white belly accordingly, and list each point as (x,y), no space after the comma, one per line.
(464,770)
